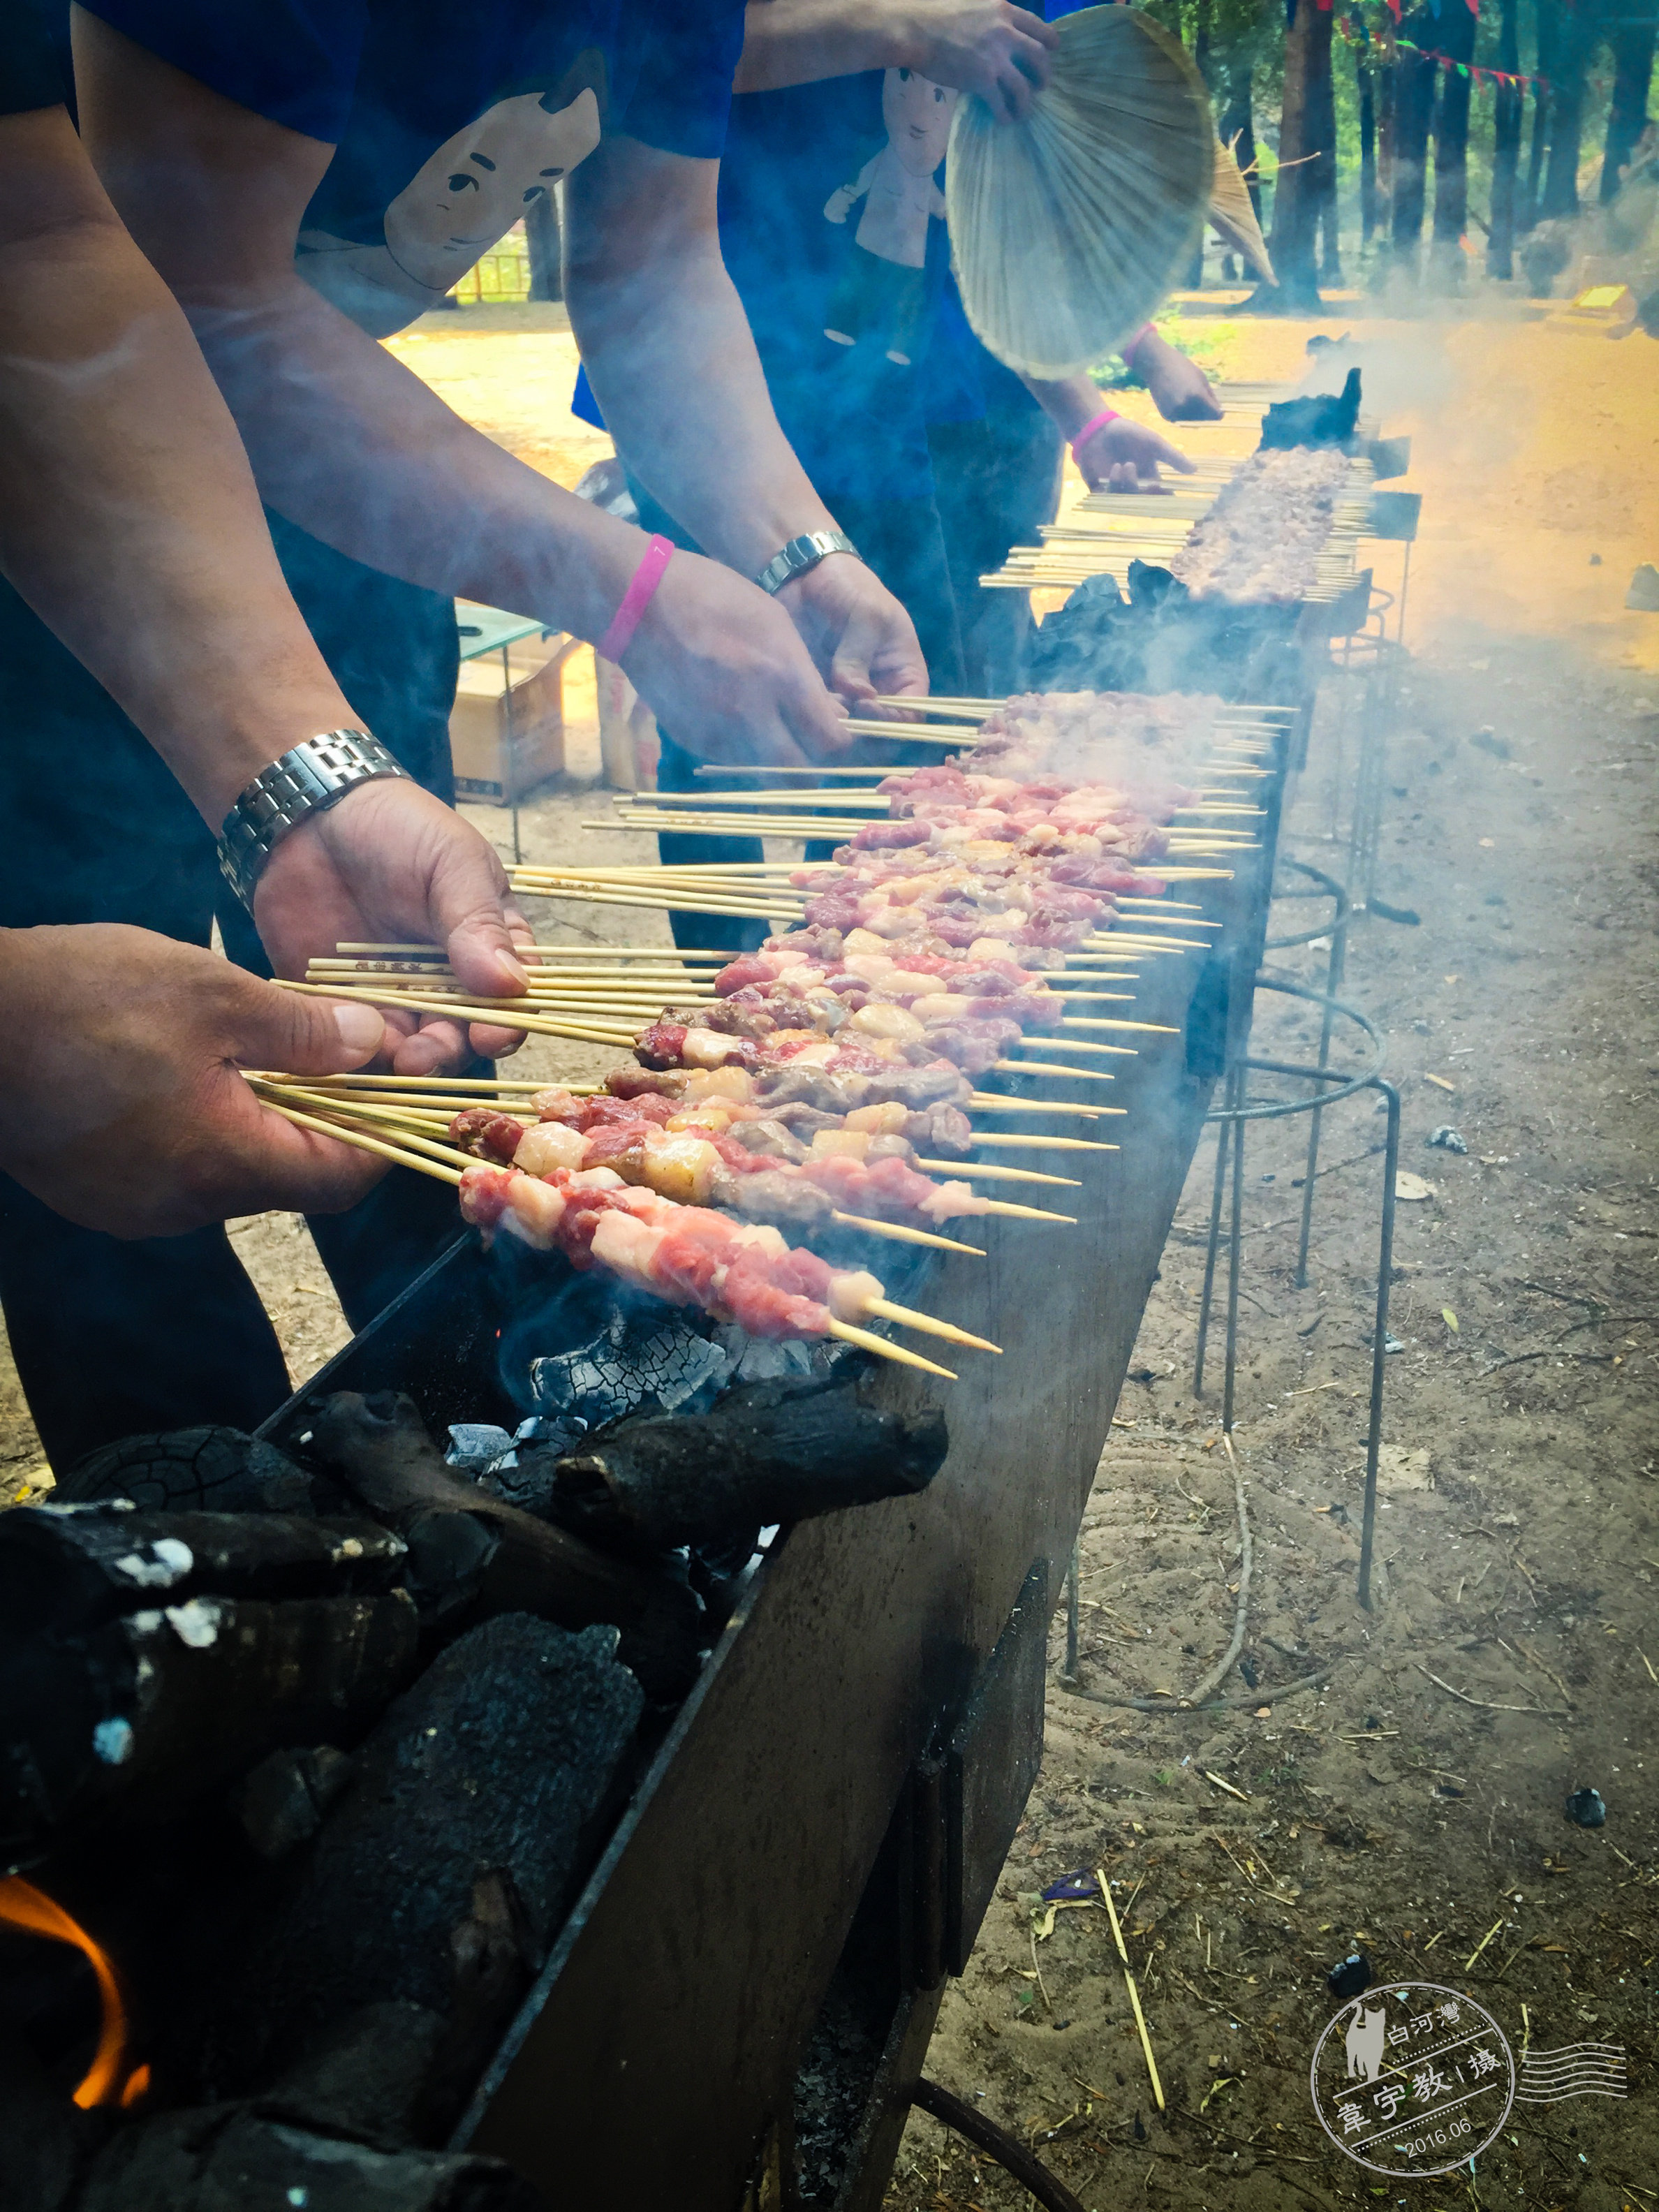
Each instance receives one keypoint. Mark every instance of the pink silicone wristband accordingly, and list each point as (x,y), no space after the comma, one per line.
(636,600)
(1098,423)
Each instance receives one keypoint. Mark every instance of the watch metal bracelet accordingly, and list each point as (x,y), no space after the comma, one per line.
(803,553)
(307,778)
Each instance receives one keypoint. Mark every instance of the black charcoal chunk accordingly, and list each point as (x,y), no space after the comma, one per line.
(281,1802)
(147,1712)
(204,1470)
(635,1359)
(227,2158)
(474,1444)
(499,1773)
(783,1450)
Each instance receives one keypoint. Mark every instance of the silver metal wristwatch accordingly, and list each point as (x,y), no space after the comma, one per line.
(803,553)
(306,779)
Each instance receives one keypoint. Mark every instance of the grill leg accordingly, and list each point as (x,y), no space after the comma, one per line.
(1332,982)
(1380,1342)
(1223,1131)
(1234,1258)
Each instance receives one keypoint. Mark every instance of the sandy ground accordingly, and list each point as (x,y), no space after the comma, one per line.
(1411,1800)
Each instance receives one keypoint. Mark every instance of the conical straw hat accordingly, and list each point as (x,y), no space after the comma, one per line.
(1232,215)
(1066,230)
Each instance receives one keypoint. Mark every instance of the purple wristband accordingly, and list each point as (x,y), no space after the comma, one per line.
(636,600)
(1096,422)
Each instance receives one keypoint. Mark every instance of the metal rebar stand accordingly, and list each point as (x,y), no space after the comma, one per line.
(1230,1119)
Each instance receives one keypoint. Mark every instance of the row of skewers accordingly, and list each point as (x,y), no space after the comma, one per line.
(827,1084)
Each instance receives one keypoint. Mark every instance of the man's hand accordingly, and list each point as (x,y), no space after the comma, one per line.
(122,1106)
(1125,456)
(860,638)
(724,668)
(984,46)
(1181,391)
(390,864)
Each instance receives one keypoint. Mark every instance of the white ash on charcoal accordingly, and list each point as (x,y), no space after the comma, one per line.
(439,1879)
(145,1658)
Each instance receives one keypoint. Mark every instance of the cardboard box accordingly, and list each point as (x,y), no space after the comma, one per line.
(507,728)
(628,744)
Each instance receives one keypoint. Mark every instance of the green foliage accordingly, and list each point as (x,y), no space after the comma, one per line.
(1204,343)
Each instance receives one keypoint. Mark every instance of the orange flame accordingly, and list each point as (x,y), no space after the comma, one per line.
(23,1906)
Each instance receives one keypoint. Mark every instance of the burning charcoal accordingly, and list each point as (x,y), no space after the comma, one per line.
(767,1452)
(474,1444)
(442,1876)
(66,1568)
(207,1470)
(632,1361)
(281,1802)
(128,1716)
(470,1549)
(230,2154)
(1325,418)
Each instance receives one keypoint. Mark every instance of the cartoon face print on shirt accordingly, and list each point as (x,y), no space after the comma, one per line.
(467,194)
(900,200)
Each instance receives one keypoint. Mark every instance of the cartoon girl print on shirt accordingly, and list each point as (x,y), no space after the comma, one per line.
(467,194)
(881,293)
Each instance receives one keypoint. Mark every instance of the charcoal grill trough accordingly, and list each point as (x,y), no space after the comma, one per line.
(736,1973)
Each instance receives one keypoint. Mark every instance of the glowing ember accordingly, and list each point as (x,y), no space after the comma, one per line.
(106,2082)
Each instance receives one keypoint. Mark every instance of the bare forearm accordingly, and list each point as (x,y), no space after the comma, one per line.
(715,459)
(128,519)
(787,42)
(350,445)
(1069,402)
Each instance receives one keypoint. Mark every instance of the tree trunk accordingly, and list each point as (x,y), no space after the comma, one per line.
(1306,162)
(1451,148)
(1627,116)
(1413,112)
(541,228)
(1574,41)
(1330,255)
(1368,152)
(1528,212)
(1506,148)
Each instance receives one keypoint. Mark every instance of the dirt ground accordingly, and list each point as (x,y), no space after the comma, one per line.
(1410,1801)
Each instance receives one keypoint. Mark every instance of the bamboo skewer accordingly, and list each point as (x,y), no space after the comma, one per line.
(911,1319)
(1134,1994)
(884,1349)
(363,1142)
(505,1014)
(896,1233)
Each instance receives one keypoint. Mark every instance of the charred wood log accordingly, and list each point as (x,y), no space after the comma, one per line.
(470,1553)
(204,1470)
(441,1877)
(135,1713)
(766,1452)
(225,2155)
(67,1569)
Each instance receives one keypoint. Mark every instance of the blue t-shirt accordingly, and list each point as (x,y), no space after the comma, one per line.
(447,121)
